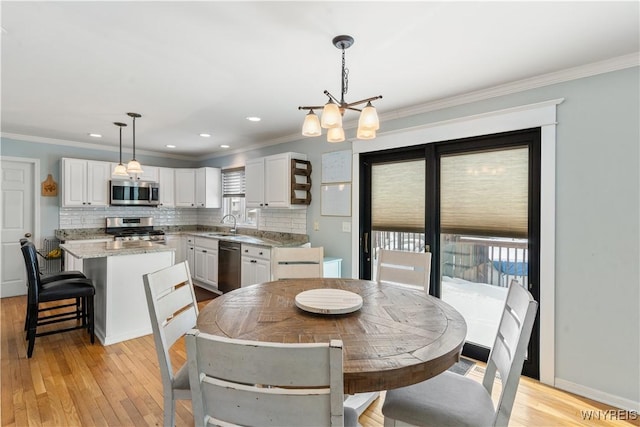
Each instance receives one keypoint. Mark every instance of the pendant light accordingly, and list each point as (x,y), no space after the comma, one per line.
(120,170)
(133,167)
(335,108)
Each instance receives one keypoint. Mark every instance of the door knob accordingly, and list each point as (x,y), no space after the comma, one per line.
(27,235)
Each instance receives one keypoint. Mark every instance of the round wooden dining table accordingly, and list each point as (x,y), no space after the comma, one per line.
(400,336)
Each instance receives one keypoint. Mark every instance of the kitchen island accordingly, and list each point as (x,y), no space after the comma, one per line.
(116,269)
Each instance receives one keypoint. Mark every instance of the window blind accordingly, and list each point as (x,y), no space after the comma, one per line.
(233,182)
(485,193)
(397,192)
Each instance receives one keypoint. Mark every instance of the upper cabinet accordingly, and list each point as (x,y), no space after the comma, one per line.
(166,180)
(185,188)
(198,188)
(209,188)
(85,182)
(277,182)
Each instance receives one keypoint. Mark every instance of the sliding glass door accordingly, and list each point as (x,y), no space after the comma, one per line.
(474,204)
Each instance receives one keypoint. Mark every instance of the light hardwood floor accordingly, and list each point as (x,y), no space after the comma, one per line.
(69,382)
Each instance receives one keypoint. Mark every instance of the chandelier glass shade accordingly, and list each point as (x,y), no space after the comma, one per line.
(120,170)
(133,167)
(334,109)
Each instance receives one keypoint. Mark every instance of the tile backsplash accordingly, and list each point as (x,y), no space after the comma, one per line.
(278,220)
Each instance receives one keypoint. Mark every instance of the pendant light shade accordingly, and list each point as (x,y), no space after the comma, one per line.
(335,135)
(333,110)
(365,134)
(369,118)
(311,125)
(331,117)
(133,167)
(120,170)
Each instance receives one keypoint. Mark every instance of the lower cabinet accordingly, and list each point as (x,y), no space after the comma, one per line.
(190,254)
(256,265)
(205,260)
(177,242)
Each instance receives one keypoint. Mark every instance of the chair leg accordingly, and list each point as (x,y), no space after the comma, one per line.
(31,332)
(91,325)
(169,409)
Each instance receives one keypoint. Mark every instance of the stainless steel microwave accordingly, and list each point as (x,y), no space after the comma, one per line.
(134,193)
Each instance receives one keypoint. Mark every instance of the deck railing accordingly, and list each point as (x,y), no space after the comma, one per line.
(490,260)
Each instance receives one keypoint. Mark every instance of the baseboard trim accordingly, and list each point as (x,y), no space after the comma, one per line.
(597,395)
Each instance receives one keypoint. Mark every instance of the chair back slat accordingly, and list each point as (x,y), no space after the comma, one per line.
(30,255)
(409,268)
(170,291)
(510,347)
(269,384)
(297,263)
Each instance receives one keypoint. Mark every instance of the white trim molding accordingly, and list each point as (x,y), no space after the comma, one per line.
(542,115)
(598,395)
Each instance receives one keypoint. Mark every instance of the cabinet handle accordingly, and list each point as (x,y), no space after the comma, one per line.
(260,253)
(204,252)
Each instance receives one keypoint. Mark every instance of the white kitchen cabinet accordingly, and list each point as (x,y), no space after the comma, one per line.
(177,242)
(208,185)
(198,188)
(190,254)
(269,181)
(332,267)
(166,181)
(85,183)
(149,173)
(185,188)
(254,179)
(206,263)
(256,265)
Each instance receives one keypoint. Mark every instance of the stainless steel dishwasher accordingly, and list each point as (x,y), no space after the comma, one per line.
(229,265)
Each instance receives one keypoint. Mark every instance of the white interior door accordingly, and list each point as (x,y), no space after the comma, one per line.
(18,220)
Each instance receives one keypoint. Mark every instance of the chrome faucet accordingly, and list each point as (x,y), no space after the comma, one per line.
(235,220)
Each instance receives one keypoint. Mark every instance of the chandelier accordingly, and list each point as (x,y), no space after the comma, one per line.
(334,109)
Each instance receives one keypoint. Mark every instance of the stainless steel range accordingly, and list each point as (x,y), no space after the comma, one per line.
(133,228)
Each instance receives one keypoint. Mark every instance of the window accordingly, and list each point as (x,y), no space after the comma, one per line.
(233,200)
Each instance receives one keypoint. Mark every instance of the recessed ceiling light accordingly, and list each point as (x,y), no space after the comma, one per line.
(205,135)
(224,146)
(95,135)
(170,146)
(254,119)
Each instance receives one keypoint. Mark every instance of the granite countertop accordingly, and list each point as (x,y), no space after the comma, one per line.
(248,236)
(114,248)
(247,239)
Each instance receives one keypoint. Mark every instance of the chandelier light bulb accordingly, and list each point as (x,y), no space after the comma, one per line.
(311,125)
(335,135)
(331,117)
(369,118)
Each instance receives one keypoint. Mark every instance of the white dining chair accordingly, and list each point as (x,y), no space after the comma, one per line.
(253,383)
(451,399)
(296,263)
(408,268)
(173,310)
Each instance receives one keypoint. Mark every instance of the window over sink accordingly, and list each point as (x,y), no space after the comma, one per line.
(233,198)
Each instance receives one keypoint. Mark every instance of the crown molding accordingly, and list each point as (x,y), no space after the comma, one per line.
(89,145)
(575,73)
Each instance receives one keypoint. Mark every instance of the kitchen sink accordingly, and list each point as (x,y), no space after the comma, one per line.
(220,234)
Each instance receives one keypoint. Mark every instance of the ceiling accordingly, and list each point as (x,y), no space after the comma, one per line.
(74,68)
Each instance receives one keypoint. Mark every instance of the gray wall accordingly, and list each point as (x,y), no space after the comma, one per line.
(597,286)
(597,220)
(50,155)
